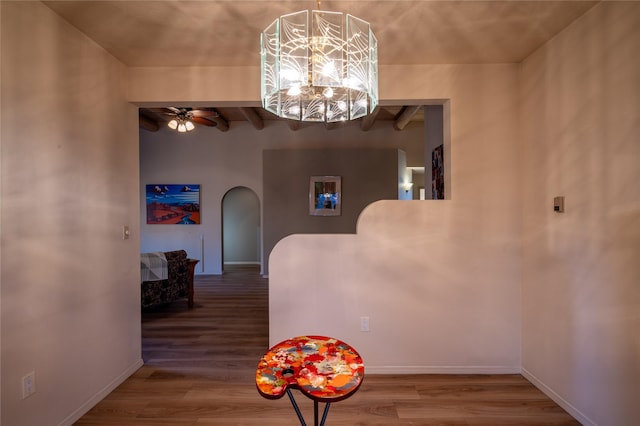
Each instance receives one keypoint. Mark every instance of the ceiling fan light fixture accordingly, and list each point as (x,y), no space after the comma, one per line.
(314,63)
(182,122)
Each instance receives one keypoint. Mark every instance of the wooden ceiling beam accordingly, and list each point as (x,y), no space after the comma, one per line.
(221,123)
(252,117)
(294,125)
(332,125)
(405,116)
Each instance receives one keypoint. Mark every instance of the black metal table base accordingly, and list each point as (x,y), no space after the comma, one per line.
(315,411)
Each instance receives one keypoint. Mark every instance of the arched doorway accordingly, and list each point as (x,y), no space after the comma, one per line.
(241,233)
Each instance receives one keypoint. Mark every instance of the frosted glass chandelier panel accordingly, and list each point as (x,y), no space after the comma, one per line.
(321,66)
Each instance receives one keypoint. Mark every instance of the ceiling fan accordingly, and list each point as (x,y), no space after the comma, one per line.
(184,119)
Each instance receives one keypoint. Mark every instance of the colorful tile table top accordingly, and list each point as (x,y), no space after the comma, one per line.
(323,368)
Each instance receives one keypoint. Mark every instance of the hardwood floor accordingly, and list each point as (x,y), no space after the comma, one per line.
(200,365)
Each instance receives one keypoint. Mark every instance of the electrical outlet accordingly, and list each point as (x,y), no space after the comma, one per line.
(29,385)
(125,232)
(364,323)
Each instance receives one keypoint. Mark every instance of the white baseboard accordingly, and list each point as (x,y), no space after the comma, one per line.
(577,414)
(442,369)
(91,402)
(242,263)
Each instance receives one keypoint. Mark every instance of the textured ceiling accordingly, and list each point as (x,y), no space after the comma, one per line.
(226,32)
(174,33)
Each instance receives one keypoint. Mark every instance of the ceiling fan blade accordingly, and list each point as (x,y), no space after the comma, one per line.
(148,123)
(157,110)
(205,113)
(202,120)
(162,111)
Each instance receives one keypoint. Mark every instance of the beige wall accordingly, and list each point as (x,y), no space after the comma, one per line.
(440,280)
(70,298)
(415,265)
(428,263)
(581,270)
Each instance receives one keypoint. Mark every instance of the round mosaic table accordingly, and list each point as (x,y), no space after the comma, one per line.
(321,368)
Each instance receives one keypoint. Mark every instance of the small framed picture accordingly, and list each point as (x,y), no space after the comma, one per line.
(325,196)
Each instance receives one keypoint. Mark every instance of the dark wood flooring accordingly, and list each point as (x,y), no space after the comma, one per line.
(200,366)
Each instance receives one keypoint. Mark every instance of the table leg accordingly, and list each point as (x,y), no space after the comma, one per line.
(324,414)
(295,407)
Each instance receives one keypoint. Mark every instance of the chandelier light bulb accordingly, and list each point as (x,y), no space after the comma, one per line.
(328,93)
(189,125)
(173,124)
(329,68)
(182,128)
(294,91)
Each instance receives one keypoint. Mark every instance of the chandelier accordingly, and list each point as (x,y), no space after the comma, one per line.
(319,66)
(182,122)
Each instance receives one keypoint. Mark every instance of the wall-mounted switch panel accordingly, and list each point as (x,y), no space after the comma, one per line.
(558,204)
(29,384)
(364,324)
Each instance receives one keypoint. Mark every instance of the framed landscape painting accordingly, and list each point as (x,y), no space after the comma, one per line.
(325,196)
(170,204)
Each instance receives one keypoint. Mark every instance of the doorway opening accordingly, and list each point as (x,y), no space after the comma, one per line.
(241,232)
